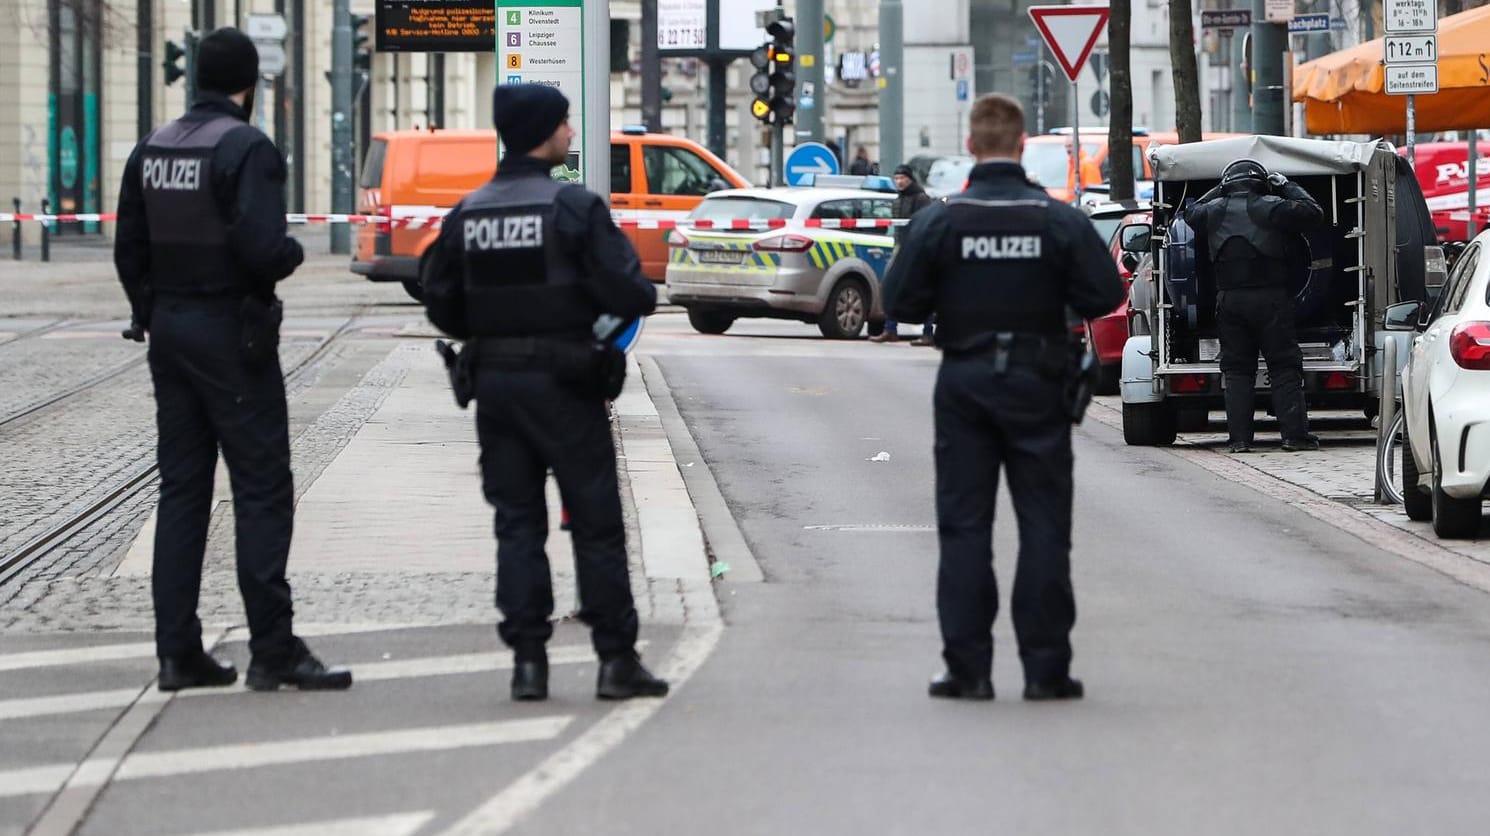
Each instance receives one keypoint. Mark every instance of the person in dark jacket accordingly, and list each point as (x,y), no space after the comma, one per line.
(201,243)
(522,269)
(911,199)
(861,166)
(1000,265)
(1246,223)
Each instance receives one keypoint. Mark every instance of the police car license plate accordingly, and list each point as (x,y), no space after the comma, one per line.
(720,256)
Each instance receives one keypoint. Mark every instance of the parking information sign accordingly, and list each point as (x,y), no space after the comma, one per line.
(1412,79)
(1402,16)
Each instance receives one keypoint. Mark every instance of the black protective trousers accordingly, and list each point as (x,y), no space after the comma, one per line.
(1260,320)
(206,399)
(1015,422)
(529,424)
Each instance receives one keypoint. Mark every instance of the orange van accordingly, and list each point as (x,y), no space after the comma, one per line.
(1047,158)
(422,174)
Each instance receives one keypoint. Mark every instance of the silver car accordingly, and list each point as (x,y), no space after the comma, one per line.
(792,263)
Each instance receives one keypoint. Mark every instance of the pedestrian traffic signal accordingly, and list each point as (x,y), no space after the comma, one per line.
(361,44)
(173,70)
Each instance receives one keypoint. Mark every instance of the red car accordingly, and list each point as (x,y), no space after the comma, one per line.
(1110,333)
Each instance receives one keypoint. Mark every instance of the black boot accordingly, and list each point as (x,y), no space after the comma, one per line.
(1056,689)
(1302,444)
(530,679)
(300,670)
(625,677)
(196,671)
(951,687)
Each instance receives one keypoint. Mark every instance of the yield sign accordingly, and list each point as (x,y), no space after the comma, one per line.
(1070,32)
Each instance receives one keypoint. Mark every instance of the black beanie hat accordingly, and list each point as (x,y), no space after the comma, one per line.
(906,170)
(227,62)
(526,115)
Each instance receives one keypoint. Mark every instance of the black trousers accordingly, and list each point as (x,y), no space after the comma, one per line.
(1249,321)
(528,424)
(207,399)
(1015,422)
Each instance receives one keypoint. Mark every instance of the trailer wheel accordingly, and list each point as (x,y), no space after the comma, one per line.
(1149,424)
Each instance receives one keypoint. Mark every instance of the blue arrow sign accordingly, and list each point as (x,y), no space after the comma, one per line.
(809,158)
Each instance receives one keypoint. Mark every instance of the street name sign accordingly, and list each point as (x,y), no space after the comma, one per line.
(1410,49)
(1411,79)
(809,158)
(1406,16)
(1304,24)
(1225,18)
(261,27)
(1070,32)
(271,58)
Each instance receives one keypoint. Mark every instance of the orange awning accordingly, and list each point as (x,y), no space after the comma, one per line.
(1342,92)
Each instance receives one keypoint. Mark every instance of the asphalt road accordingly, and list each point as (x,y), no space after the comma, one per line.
(1249,668)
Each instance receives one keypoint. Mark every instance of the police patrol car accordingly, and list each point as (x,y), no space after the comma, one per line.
(791,263)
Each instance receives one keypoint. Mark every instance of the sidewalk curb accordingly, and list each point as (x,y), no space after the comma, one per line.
(721,531)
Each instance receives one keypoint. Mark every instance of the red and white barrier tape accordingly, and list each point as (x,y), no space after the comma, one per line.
(743,224)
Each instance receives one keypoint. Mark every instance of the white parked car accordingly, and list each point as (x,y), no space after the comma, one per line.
(1446,398)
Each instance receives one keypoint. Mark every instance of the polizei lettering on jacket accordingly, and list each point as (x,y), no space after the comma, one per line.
(173,174)
(518,232)
(1000,247)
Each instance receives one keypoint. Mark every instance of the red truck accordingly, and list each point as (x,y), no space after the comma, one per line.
(1443,172)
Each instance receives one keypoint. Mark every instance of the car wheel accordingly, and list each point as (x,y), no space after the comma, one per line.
(1415,501)
(414,289)
(846,312)
(1111,380)
(1149,424)
(709,322)
(1453,519)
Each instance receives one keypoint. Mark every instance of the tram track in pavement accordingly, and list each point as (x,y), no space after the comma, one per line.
(38,547)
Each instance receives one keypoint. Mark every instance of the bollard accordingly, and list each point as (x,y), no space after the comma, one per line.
(1386,416)
(46,231)
(15,230)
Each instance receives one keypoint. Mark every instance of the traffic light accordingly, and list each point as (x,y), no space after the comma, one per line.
(361,44)
(775,79)
(173,69)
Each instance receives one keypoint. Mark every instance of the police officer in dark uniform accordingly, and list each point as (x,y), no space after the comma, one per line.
(201,243)
(1246,223)
(523,268)
(1000,265)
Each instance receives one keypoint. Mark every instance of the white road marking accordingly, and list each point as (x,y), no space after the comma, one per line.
(76,655)
(574,654)
(398,824)
(527,793)
(885,528)
(47,779)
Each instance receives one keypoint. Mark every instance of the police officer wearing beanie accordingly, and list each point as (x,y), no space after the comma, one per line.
(1000,265)
(201,242)
(1246,223)
(521,270)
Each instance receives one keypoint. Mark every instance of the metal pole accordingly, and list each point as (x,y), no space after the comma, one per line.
(1386,411)
(1075,145)
(341,123)
(1040,96)
(810,69)
(1269,41)
(1474,181)
(190,41)
(437,92)
(261,93)
(892,94)
(145,68)
(595,149)
(46,231)
(1241,106)
(778,154)
(15,231)
(718,102)
(1412,129)
(651,68)
(297,92)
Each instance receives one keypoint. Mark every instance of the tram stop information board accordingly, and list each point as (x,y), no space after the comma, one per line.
(542,42)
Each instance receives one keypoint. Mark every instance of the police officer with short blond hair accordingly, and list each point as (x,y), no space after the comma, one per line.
(1000,265)
(523,268)
(200,245)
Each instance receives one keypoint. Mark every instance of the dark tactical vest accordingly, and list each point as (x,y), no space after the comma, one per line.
(188,226)
(1247,250)
(518,281)
(1001,276)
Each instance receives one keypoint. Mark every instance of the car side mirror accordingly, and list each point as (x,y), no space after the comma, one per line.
(1135,238)
(1403,316)
(1435,267)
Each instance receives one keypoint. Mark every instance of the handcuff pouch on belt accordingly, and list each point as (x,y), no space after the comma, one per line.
(1069,361)
(590,368)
